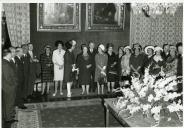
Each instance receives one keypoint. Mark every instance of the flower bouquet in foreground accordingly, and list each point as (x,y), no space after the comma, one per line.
(149,96)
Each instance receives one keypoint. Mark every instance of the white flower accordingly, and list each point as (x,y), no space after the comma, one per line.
(145,107)
(166,98)
(156,109)
(133,108)
(150,98)
(135,100)
(175,107)
(156,116)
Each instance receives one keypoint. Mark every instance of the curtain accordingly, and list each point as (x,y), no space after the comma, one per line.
(163,29)
(18,22)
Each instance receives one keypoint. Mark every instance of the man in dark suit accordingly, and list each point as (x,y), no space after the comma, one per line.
(20,78)
(92,52)
(9,83)
(12,60)
(32,70)
(180,66)
(165,53)
(26,61)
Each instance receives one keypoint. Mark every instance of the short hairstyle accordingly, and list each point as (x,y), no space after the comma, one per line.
(138,48)
(165,45)
(110,45)
(129,50)
(90,43)
(120,47)
(11,48)
(179,44)
(138,45)
(59,42)
(23,45)
(6,52)
(68,44)
(30,43)
(18,49)
(83,45)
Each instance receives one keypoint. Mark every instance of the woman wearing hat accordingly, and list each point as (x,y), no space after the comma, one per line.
(101,65)
(111,68)
(84,64)
(125,67)
(69,65)
(58,60)
(171,62)
(46,68)
(149,51)
(157,62)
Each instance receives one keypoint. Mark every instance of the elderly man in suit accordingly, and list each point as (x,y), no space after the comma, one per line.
(9,83)
(20,78)
(26,61)
(32,62)
(12,60)
(92,52)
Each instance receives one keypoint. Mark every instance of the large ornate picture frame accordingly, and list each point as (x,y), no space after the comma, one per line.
(105,16)
(59,17)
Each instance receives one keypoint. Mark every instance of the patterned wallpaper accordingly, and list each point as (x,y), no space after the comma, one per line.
(18,22)
(163,29)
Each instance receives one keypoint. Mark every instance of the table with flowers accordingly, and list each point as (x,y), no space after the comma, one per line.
(149,102)
(138,119)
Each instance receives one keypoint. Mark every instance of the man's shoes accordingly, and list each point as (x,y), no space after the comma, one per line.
(11,121)
(22,107)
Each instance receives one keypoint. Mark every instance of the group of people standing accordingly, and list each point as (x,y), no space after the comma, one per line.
(97,67)
(18,77)
(92,68)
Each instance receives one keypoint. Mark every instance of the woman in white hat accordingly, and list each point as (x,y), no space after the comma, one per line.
(157,62)
(125,67)
(101,65)
(149,51)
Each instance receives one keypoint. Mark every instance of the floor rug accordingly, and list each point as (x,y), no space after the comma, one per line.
(77,113)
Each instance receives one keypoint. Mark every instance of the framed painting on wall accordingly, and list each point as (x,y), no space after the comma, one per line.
(59,17)
(105,16)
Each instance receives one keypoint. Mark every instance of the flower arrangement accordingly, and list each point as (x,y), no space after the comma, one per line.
(150,95)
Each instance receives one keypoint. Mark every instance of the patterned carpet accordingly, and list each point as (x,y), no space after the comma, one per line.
(77,113)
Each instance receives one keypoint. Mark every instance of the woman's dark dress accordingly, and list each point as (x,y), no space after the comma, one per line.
(84,72)
(46,71)
(111,71)
(136,61)
(155,67)
(118,66)
(69,60)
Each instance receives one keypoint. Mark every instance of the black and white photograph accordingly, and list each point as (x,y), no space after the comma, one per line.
(98,64)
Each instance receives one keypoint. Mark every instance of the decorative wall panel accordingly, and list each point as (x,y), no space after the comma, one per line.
(163,29)
(18,22)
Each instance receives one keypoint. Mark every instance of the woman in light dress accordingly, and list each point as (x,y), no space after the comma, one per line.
(101,64)
(58,61)
(125,67)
